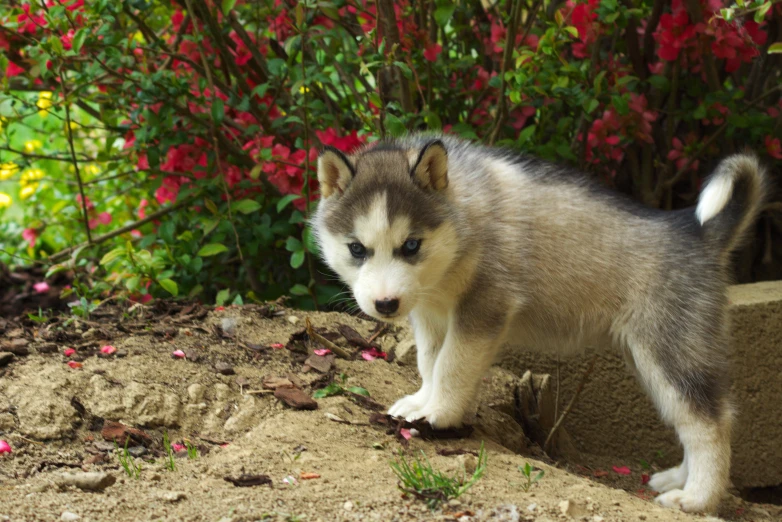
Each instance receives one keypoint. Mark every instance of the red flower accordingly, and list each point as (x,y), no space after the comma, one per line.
(344,143)
(30,235)
(432,51)
(13,70)
(679,153)
(773,147)
(674,33)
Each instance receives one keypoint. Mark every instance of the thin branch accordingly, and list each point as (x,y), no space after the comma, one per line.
(584,377)
(122,230)
(69,133)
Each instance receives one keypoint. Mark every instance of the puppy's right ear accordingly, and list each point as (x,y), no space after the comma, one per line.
(334,172)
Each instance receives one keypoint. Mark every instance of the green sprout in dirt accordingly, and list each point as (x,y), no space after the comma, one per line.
(170,464)
(421,480)
(527,470)
(339,389)
(192,451)
(127,462)
(40,317)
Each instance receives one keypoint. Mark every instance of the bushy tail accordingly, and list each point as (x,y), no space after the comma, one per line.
(731,200)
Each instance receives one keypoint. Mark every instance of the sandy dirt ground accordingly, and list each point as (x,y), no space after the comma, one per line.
(328,463)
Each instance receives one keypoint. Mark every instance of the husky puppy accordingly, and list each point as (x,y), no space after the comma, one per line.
(484,249)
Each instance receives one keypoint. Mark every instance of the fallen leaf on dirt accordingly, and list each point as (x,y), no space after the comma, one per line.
(622,470)
(336,418)
(119,433)
(322,351)
(372,354)
(245,481)
(272,382)
(321,364)
(75,365)
(308,476)
(354,338)
(296,398)
(599,473)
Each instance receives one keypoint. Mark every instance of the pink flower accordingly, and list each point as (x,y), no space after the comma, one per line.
(4,447)
(41,287)
(622,470)
(178,354)
(372,354)
(108,349)
(178,447)
(142,205)
(68,352)
(432,51)
(322,351)
(30,235)
(773,147)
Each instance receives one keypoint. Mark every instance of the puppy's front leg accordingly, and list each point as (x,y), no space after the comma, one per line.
(429,329)
(464,359)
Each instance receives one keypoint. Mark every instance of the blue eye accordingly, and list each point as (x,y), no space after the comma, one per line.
(411,247)
(357,250)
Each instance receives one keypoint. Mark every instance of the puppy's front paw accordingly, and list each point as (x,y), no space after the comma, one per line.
(407,405)
(673,478)
(686,501)
(440,417)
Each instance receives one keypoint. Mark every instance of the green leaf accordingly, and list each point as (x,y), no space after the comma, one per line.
(222,296)
(775,48)
(111,256)
(660,83)
(328,391)
(227,5)
(212,249)
(527,133)
(245,206)
(238,300)
(132,283)
(444,13)
(169,286)
(592,106)
(218,110)
(299,290)
(572,30)
(700,112)
(78,39)
(286,200)
(760,14)
(297,259)
(293,245)
(255,173)
(359,390)
(621,105)
(55,269)
(394,125)
(598,82)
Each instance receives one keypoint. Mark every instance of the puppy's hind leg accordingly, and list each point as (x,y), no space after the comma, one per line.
(690,393)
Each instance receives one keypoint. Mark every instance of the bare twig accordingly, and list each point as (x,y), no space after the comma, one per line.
(315,336)
(584,377)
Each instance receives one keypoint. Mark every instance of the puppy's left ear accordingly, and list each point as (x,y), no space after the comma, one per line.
(334,172)
(431,170)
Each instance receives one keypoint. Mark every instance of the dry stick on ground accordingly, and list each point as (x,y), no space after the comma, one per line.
(315,336)
(550,438)
(127,228)
(69,132)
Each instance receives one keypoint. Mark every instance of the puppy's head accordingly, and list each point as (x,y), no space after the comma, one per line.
(384,224)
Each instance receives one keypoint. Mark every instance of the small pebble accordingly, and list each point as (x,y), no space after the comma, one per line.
(92,481)
(224,368)
(293,319)
(67,516)
(348,506)
(137,451)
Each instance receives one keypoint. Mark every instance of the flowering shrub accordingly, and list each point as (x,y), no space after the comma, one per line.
(158,148)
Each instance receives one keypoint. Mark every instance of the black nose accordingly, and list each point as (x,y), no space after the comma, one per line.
(387,306)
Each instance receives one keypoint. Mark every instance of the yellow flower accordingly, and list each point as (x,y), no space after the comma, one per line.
(7,170)
(139,37)
(28,190)
(303,89)
(31,146)
(92,169)
(30,175)
(74,125)
(5,200)
(43,103)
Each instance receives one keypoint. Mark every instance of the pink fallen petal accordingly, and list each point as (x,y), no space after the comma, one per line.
(372,354)
(69,351)
(644,479)
(75,365)
(4,447)
(405,433)
(290,480)
(178,447)
(277,346)
(41,287)
(224,445)
(622,470)
(108,349)
(322,351)
(178,354)
(219,309)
